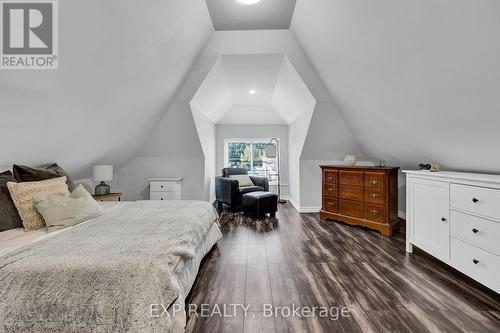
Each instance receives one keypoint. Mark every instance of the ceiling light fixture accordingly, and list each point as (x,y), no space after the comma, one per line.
(252,91)
(248,2)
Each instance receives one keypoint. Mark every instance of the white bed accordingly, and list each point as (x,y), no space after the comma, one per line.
(16,241)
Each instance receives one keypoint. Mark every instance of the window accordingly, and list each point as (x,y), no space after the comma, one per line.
(251,155)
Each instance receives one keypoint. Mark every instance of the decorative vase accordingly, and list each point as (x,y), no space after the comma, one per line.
(350,160)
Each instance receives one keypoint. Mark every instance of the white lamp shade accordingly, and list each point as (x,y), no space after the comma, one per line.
(102,173)
(271,151)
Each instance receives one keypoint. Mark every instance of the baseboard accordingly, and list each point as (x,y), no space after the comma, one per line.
(301,209)
(401,214)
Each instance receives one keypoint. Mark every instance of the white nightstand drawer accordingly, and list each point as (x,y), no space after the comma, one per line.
(477,200)
(479,231)
(162,196)
(162,186)
(478,264)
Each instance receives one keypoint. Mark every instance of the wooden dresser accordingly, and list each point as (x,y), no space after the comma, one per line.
(366,196)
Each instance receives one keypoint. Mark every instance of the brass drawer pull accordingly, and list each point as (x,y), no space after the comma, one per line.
(330,179)
(330,204)
(374,195)
(374,182)
(374,212)
(330,189)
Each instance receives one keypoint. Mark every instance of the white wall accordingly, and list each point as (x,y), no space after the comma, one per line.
(417,81)
(224,132)
(121,64)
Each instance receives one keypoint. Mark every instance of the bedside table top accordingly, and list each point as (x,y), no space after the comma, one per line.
(107,196)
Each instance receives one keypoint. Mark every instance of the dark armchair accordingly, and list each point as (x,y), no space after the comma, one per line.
(228,191)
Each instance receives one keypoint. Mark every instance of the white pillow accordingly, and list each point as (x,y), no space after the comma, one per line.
(61,211)
(243,180)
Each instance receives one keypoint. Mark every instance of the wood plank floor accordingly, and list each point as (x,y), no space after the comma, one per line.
(297,259)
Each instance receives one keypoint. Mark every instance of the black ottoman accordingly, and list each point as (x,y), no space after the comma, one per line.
(259,203)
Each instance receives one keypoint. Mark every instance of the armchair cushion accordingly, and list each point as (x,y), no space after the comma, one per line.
(243,180)
(248,189)
(260,181)
(226,172)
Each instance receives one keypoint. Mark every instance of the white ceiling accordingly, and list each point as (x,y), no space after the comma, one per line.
(280,94)
(266,14)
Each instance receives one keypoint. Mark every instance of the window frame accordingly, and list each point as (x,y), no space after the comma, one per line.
(250,141)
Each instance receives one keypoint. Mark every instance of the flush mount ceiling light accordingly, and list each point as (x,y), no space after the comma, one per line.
(248,2)
(252,91)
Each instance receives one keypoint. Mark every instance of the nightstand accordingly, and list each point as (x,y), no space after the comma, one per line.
(110,196)
(165,188)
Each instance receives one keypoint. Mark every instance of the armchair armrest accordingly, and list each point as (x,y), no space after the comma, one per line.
(260,181)
(226,190)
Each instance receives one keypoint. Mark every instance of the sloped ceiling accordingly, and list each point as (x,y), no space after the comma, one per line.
(121,64)
(415,80)
(265,14)
(252,89)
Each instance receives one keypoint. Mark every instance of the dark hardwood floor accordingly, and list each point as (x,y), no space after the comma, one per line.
(297,259)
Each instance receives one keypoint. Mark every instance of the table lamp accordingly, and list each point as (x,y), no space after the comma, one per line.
(102,173)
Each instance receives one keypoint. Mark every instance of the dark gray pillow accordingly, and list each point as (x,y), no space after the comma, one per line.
(9,217)
(24,173)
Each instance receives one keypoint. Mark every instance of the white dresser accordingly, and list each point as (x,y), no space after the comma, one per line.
(455,217)
(165,188)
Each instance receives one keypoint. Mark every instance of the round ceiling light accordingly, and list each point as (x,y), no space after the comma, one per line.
(252,91)
(248,2)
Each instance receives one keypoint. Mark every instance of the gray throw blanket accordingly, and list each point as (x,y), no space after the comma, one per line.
(103,275)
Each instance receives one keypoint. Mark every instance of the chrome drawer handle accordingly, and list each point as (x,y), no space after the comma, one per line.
(374,212)
(475,200)
(474,230)
(475,261)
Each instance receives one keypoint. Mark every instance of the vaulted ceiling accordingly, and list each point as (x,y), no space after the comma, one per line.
(253,89)
(413,80)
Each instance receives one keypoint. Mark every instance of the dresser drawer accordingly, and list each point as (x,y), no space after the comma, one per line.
(374,196)
(351,178)
(375,179)
(162,187)
(474,199)
(331,205)
(330,190)
(351,192)
(478,264)
(481,232)
(330,177)
(375,213)
(351,208)
(162,196)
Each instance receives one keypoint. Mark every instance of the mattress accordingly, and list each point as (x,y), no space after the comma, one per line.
(185,270)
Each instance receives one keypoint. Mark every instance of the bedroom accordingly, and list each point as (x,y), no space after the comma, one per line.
(150,99)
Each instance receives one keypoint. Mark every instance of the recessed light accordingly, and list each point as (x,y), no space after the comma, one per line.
(248,2)
(252,91)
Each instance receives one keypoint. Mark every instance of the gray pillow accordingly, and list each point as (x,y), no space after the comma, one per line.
(24,173)
(60,211)
(9,217)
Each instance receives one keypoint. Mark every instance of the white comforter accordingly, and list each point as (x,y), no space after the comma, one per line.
(104,274)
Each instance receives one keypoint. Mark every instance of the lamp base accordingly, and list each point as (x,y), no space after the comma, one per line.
(102,189)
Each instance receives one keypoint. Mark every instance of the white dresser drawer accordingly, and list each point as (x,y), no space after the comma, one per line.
(478,264)
(481,232)
(162,186)
(162,196)
(474,199)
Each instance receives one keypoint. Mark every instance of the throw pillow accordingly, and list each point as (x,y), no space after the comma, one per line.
(243,180)
(24,173)
(22,195)
(9,217)
(61,210)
